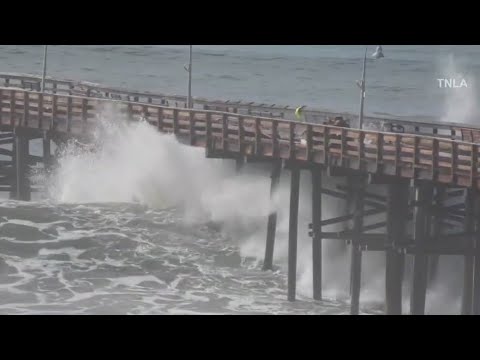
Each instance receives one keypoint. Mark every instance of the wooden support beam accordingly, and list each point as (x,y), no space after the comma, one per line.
(13,183)
(467,296)
(28,132)
(350,217)
(47,152)
(340,235)
(21,166)
(220,155)
(317,229)
(272,218)
(6,141)
(347,196)
(423,199)
(7,170)
(476,263)
(356,251)
(33,159)
(397,217)
(437,231)
(292,234)
(302,165)
(239,163)
(334,171)
(444,249)
(459,206)
(6,152)
(379,179)
(375,226)
(379,198)
(6,135)
(456,192)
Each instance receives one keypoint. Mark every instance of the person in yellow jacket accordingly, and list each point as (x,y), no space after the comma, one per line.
(299,114)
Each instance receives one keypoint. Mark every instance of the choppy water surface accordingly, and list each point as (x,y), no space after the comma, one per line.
(126,258)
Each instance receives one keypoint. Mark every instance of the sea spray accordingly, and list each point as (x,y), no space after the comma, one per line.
(460,103)
(134,162)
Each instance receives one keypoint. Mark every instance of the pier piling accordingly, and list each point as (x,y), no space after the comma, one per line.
(316,232)
(422,205)
(47,155)
(397,218)
(476,263)
(22,183)
(467,298)
(437,230)
(292,232)
(272,218)
(356,251)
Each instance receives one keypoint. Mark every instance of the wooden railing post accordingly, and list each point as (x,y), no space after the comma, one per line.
(258,136)
(361,147)
(192,126)
(275,145)
(292,139)
(474,170)
(160,119)
(454,161)
(69,114)
(398,151)
(129,112)
(208,132)
(26,108)
(416,155)
(326,134)
(1,106)
(224,132)
(309,139)
(435,155)
(84,114)
(380,141)
(40,110)
(145,113)
(12,107)
(241,135)
(53,122)
(343,146)
(175,121)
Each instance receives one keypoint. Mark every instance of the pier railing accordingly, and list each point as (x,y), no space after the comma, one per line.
(228,134)
(447,130)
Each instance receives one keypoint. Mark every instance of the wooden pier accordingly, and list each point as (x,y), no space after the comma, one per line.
(430,173)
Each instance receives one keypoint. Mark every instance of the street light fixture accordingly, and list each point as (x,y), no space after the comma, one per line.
(378,54)
(188,68)
(44,67)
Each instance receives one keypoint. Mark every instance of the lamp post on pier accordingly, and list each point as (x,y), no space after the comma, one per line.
(44,68)
(188,68)
(361,83)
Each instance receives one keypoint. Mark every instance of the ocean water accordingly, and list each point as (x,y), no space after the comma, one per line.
(147,226)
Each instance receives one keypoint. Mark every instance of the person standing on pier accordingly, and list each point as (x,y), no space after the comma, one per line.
(299,114)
